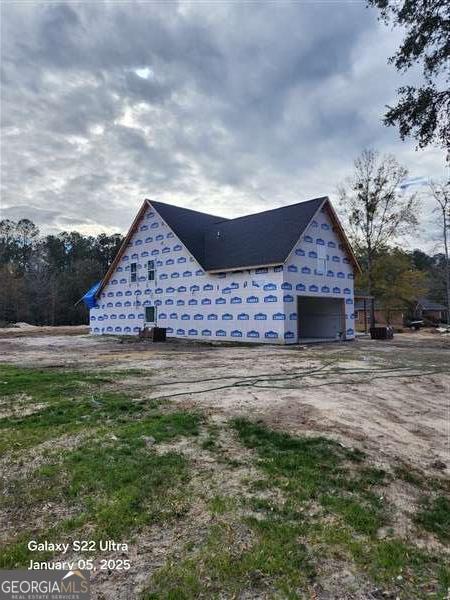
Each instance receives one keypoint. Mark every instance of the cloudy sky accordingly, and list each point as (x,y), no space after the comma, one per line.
(218,106)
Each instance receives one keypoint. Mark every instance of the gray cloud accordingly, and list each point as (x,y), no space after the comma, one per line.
(223,107)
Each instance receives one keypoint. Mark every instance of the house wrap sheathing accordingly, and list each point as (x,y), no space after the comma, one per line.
(279,276)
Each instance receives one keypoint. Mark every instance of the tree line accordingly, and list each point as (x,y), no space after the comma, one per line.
(43,277)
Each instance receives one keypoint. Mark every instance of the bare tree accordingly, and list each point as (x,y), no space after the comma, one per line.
(377,210)
(440,192)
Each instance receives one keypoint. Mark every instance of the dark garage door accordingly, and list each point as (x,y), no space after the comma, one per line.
(320,318)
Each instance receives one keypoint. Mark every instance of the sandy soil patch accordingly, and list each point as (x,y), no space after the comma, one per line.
(401,413)
(27,330)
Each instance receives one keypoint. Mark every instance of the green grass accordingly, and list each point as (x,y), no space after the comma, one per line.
(315,471)
(318,469)
(423,575)
(411,476)
(274,562)
(219,505)
(113,482)
(115,486)
(66,416)
(279,557)
(211,442)
(68,402)
(360,515)
(47,384)
(162,427)
(434,516)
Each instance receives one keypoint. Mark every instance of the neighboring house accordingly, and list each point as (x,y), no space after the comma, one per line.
(365,305)
(424,309)
(433,311)
(283,275)
(394,315)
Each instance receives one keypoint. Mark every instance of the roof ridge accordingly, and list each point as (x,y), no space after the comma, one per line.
(271,210)
(230,220)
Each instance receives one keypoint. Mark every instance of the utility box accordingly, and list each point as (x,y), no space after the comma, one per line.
(156,334)
(381,333)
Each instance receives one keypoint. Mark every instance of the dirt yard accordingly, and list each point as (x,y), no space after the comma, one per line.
(402,411)
(388,400)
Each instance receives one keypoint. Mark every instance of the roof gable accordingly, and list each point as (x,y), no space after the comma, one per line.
(188,225)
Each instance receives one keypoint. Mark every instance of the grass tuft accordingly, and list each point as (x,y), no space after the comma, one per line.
(434,516)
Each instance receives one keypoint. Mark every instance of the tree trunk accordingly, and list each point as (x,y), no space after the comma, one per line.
(370,283)
(447,263)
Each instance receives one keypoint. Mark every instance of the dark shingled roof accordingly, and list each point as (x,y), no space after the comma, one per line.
(427,304)
(189,225)
(261,239)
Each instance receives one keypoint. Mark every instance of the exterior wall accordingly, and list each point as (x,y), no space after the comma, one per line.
(394,316)
(190,303)
(257,305)
(363,313)
(435,315)
(362,323)
(302,278)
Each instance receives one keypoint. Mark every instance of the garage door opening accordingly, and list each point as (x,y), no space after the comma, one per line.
(320,319)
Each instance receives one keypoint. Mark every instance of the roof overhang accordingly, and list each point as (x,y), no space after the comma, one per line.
(245,268)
